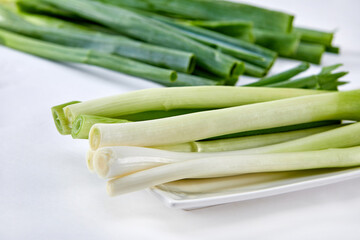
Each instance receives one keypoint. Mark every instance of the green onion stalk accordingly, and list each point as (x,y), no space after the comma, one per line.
(74,35)
(235,165)
(146,29)
(123,160)
(206,124)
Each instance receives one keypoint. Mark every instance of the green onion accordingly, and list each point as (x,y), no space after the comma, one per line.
(276,129)
(254,71)
(149,30)
(286,75)
(126,160)
(206,124)
(82,124)
(237,29)
(34,6)
(309,52)
(78,55)
(282,43)
(325,80)
(227,184)
(235,165)
(73,35)
(61,122)
(241,143)
(150,115)
(215,10)
(332,49)
(165,99)
(235,47)
(314,36)
(192,80)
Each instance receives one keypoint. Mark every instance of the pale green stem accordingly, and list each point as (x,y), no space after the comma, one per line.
(235,165)
(241,143)
(123,160)
(201,97)
(206,124)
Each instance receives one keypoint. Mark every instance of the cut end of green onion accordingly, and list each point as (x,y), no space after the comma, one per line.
(94,138)
(101,162)
(237,69)
(173,76)
(61,122)
(76,126)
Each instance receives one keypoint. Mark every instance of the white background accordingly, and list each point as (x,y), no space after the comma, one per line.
(46,191)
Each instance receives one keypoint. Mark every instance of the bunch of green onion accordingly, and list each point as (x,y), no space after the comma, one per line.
(207,138)
(160,40)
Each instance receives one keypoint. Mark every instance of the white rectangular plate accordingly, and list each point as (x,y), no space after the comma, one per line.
(304,180)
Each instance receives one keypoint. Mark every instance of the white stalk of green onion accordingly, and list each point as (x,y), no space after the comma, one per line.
(235,165)
(206,124)
(240,143)
(200,97)
(123,160)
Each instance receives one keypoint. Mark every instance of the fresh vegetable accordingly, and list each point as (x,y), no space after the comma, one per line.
(247,142)
(124,160)
(82,124)
(178,98)
(238,48)
(79,55)
(234,165)
(196,126)
(215,10)
(61,122)
(324,80)
(231,184)
(309,52)
(238,29)
(318,37)
(148,30)
(286,75)
(74,35)
(282,43)
(277,129)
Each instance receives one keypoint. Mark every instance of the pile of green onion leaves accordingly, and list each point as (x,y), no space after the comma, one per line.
(160,40)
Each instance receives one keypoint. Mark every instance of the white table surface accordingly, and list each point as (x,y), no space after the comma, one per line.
(46,191)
